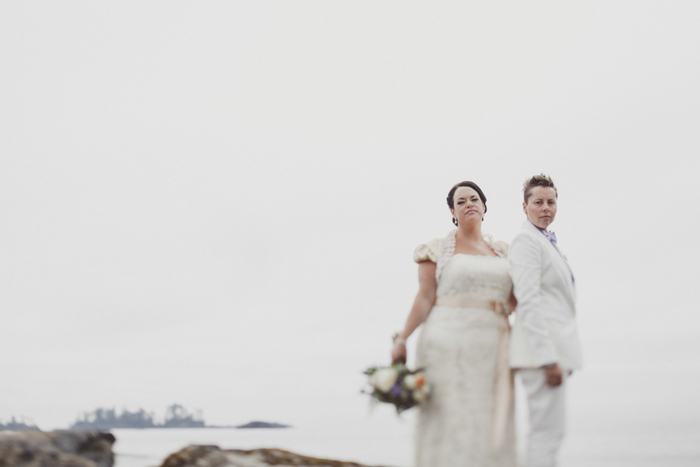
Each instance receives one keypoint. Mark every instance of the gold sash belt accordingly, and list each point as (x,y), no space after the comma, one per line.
(464,301)
(503,390)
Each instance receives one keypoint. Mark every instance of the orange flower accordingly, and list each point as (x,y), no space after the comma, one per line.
(420,380)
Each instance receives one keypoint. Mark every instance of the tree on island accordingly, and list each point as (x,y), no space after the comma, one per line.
(15,425)
(105,419)
(177,417)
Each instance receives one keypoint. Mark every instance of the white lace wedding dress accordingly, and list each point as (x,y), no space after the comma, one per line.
(461,349)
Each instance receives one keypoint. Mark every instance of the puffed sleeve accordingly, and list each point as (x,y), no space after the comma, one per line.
(428,251)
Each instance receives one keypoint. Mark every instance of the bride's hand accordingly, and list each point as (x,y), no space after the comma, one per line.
(553,375)
(398,354)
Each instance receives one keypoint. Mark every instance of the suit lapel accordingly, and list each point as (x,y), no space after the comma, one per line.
(556,257)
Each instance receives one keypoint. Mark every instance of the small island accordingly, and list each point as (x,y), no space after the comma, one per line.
(18,425)
(176,416)
(106,419)
(257,424)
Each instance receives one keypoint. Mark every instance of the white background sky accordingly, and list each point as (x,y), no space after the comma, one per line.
(216,203)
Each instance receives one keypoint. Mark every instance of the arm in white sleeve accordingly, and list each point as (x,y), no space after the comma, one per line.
(526,271)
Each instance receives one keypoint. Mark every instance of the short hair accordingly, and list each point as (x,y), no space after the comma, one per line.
(451,194)
(537,180)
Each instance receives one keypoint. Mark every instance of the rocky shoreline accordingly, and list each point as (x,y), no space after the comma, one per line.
(87,448)
(92,448)
(213,456)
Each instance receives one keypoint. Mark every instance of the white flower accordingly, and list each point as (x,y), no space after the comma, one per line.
(420,395)
(383,379)
(409,381)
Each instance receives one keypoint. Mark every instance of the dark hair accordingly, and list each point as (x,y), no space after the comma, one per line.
(451,194)
(537,180)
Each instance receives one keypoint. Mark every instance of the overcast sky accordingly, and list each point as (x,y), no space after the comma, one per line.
(216,203)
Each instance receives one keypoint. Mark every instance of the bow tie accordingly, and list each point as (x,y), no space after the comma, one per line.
(551,236)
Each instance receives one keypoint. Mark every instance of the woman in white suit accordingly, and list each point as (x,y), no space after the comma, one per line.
(544,342)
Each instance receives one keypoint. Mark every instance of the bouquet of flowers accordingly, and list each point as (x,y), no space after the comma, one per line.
(397,385)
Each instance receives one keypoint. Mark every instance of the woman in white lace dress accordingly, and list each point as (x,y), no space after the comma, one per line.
(464,292)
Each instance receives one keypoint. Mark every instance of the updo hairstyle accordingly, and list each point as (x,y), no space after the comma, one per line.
(451,196)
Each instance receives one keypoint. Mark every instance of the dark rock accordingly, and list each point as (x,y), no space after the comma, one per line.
(56,448)
(212,456)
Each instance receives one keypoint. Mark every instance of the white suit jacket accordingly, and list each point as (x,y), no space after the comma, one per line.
(545,327)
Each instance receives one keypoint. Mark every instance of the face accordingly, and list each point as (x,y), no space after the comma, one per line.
(468,205)
(541,207)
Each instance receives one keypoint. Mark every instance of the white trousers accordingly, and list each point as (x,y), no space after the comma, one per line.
(547,417)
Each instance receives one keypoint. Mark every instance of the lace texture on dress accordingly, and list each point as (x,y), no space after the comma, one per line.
(458,347)
(440,250)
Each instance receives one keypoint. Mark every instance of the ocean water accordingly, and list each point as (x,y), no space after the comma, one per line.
(616,418)
(629,417)
(142,448)
(382,442)
(146,448)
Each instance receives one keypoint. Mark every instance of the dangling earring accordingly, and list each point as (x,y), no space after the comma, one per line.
(454,221)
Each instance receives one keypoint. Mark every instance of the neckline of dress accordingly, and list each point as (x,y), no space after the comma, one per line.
(448,251)
(483,256)
(489,242)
